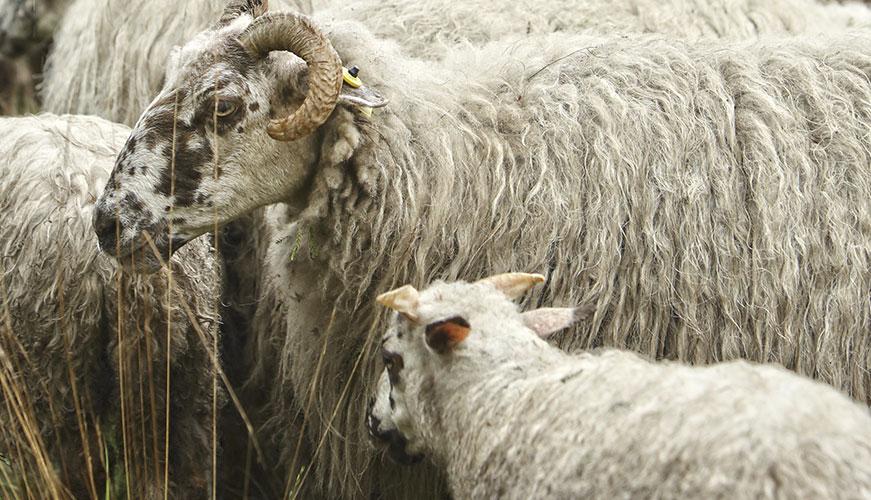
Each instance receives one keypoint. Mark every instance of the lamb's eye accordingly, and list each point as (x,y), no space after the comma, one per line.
(392,361)
(387,358)
(225,108)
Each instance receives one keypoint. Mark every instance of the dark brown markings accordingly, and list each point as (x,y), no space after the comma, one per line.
(442,336)
(158,124)
(158,127)
(240,129)
(189,165)
(132,203)
(254,106)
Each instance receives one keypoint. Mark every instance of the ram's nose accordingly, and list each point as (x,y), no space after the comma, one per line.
(106,226)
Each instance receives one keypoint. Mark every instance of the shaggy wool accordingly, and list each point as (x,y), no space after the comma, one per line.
(711,199)
(708,197)
(109,56)
(85,343)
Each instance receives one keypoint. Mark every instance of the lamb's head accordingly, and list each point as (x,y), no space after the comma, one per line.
(236,126)
(437,338)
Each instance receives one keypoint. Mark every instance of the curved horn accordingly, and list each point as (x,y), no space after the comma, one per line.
(296,33)
(235,8)
(513,284)
(403,299)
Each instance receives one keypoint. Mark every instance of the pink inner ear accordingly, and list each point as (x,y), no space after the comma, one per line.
(442,336)
(549,320)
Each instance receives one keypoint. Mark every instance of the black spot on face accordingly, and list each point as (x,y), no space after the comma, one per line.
(254,106)
(132,203)
(189,163)
(240,129)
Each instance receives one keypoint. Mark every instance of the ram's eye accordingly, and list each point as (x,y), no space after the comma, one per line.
(225,108)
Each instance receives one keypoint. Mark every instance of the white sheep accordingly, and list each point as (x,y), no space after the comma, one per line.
(84,344)
(469,383)
(712,196)
(109,56)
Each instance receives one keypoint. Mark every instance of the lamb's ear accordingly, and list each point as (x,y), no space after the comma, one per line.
(549,320)
(444,335)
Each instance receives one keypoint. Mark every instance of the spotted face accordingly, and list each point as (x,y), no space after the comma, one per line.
(215,143)
(417,347)
(390,421)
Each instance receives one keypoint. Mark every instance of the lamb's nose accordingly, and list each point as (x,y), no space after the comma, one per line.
(106,227)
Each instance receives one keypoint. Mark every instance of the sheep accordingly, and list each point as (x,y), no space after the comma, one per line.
(470,383)
(84,345)
(712,196)
(109,59)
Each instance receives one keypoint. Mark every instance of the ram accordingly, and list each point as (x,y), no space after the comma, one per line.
(470,384)
(711,196)
(109,57)
(86,347)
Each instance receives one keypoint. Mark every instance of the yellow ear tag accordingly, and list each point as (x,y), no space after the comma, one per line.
(351,79)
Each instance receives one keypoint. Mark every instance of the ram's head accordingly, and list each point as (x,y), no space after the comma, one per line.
(235,127)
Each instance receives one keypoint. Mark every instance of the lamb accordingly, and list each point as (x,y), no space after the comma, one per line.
(84,354)
(470,383)
(87,73)
(712,197)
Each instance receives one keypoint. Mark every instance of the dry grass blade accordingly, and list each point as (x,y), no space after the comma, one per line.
(370,337)
(202,336)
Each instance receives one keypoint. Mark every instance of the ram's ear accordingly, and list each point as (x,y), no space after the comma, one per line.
(442,336)
(549,320)
(362,97)
(356,93)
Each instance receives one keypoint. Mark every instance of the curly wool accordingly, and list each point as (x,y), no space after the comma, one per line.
(72,318)
(711,199)
(109,59)
(509,416)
